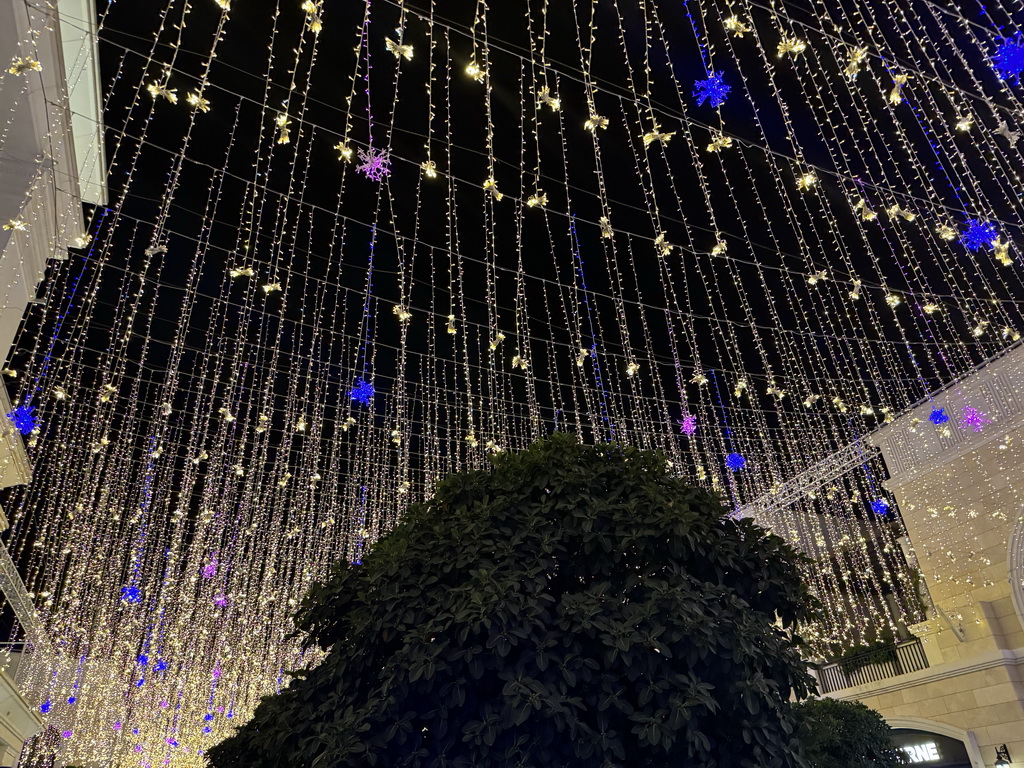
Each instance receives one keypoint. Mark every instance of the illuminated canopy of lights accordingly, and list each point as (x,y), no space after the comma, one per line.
(354,247)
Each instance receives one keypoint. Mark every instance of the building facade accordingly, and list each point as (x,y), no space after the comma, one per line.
(51,162)
(956,465)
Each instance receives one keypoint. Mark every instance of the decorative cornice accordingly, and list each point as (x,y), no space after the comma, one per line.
(913,446)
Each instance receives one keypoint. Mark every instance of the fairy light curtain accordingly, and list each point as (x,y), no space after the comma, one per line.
(354,247)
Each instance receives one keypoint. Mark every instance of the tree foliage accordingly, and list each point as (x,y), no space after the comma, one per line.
(845,734)
(568,606)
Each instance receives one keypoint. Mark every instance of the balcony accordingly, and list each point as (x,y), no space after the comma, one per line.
(872,667)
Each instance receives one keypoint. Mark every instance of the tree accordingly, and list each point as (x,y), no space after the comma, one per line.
(845,734)
(569,606)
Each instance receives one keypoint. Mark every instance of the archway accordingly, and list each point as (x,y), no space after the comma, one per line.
(942,729)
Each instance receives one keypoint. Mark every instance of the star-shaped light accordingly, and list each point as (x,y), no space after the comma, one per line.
(879,506)
(938,416)
(714,90)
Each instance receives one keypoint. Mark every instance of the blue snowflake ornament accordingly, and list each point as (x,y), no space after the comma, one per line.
(938,416)
(131,594)
(1008,61)
(362,392)
(24,419)
(735,462)
(714,90)
(879,506)
(978,234)
(46,706)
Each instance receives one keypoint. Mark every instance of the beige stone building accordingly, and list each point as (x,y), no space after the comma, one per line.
(960,489)
(51,162)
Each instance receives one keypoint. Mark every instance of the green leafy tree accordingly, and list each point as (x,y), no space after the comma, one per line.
(568,606)
(845,734)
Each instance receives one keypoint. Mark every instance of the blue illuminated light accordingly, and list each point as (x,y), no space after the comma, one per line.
(131,594)
(938,416)
(362,392)
(879,506)
(1009,59)
(735,462)
(714,90)
(978,234)
(46,706)
(24,419)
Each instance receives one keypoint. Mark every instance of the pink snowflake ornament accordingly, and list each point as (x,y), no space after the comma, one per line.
(375,163)
(688,424)
(974,419)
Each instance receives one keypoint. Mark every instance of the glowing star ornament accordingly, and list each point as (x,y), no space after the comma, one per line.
(24,419)
(375,164)
(964,123)
(977,234)
(161,91)
(344,151)
(475,71)
(284,135)
(1008,60)
(595,122)
(16,225)
(735,462)
(429,169)
(736,26)
(657,135)
(880,506)
(400,51)
(790,45)
(197,101)
(718,143)
(538,200)
(632,369)
(606,227)
(314,17)
(806,181)
(402,313)
(938,416)
(662,245)
(1004,130)
(713,90)
(866,214)
(362,392)
(491,186)
(1001,252)
(20,66)
(896,94)
(857,57)
(896,212)
(972,418)
(544,97)
(946,232)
